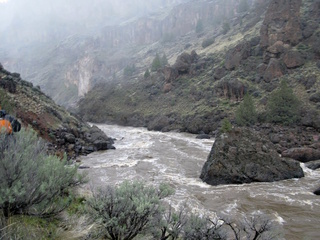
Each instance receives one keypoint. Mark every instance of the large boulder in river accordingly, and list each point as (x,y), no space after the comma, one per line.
(99,139)
(245,156)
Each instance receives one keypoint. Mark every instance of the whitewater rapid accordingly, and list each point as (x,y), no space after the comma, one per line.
(177,159)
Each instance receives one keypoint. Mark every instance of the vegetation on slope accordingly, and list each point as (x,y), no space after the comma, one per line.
(210,88)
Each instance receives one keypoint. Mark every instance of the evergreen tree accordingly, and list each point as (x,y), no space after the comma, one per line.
(146,74)
(156,63)
(246,114)
(164,60)
(129,70)
(283,106)
(199,26)
(226,126)
(225,27)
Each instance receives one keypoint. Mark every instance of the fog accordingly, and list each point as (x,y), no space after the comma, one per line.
(28,20)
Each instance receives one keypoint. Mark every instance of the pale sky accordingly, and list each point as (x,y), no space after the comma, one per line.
(3,1)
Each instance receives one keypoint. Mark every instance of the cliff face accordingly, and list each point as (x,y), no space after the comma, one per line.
(85,59)
(179,21)
(282,23)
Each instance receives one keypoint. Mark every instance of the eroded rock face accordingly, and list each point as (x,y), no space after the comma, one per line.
(274,69)
(245,156)
(281,23)
(235,55)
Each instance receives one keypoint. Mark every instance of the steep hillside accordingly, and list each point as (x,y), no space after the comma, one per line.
(39,38)
(270,42)
(64,132)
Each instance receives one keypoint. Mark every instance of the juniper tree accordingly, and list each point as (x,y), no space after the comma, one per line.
(226,125)
(246,114)
(283,106)
(146,74)
(156,63)
(164,60)
(199,26)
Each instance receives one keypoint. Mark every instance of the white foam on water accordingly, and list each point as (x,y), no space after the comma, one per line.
(278,218)
(177,158)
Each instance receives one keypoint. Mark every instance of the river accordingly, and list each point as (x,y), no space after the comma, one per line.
(177,158)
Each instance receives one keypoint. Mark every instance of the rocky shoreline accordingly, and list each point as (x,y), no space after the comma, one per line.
(65,133)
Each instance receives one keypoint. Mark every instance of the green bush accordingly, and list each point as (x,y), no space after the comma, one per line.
(226,126)
(156,63)
(246,114)
(164,60)
(128,210)
(283,106)
(129,70)
(31,181)
(146,74)
(207,42)
(201,228)
(225,27)
(5,103)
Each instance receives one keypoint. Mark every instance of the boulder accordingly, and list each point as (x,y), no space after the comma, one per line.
(315,97)
(275,69)
(277,47)
(303,154)
(69,138)
(235,55)
(313,165)
(184,62)
(310,118)
(203,136)
(293,59)
(317,192)
(244,156)
(98,139)
(170,74)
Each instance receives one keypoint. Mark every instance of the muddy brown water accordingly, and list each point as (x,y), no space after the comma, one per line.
(177,158)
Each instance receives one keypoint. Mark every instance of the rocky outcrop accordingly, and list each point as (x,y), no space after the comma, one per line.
(185,62)
(232,89)
(280,32)
(64,131)
(281,23)
(244,156)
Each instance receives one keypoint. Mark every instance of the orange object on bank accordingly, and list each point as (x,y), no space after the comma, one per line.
(5,126)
